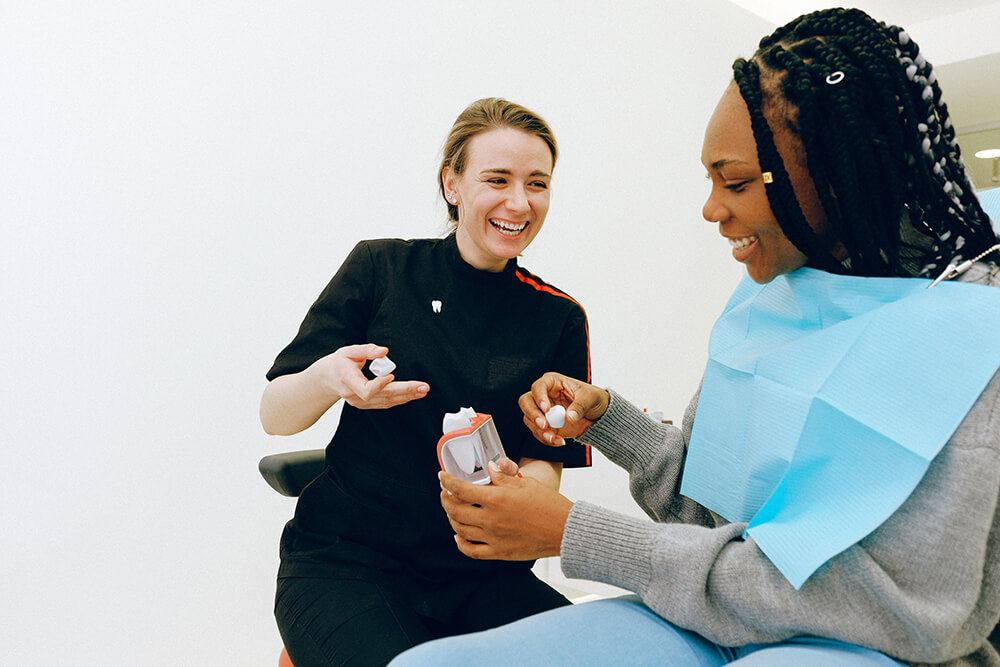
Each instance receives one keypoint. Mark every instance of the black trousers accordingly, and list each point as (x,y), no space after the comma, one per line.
(325,622)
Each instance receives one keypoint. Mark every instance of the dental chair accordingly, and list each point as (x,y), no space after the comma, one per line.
(288,473)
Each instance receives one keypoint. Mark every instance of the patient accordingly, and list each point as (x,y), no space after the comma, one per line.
(831,497)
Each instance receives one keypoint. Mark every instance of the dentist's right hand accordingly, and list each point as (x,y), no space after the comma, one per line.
(341,373)
(584,403)
(292,403)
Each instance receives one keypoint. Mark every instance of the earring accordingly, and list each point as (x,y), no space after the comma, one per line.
(452,198)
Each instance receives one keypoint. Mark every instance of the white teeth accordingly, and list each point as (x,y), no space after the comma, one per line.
(508,228)
(743,242)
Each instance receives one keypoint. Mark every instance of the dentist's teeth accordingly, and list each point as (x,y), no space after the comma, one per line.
(743,242)
(508,228)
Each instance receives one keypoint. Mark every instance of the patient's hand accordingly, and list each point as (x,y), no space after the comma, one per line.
(514,518)
(584,403)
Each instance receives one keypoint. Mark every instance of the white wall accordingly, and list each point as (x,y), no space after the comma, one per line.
(178,180)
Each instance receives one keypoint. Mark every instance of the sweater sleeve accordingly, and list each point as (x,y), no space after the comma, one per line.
(923,587)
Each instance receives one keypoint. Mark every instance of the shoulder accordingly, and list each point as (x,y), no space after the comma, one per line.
(982,273)
(397,246)
(546,290)
(394,252)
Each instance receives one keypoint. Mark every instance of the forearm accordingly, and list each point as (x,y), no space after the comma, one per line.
(711,581)
(293,403)
(653,454)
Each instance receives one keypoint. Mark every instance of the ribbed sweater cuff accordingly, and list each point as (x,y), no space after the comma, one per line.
(626,435)
(606,546)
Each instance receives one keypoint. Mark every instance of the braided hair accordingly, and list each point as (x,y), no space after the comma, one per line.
(878,141)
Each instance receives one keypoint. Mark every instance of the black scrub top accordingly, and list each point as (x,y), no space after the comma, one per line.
(479,339)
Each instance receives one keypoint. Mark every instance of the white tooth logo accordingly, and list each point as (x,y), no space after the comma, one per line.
(436,306)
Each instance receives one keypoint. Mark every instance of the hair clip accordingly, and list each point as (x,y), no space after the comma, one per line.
(835,78)
(768,178)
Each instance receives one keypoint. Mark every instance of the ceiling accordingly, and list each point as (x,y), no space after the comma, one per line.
(956,37)
(904,13)
(972,92)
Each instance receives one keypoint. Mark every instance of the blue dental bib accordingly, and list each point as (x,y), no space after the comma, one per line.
(826,397)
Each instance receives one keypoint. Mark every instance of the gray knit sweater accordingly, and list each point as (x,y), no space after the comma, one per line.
(923,588)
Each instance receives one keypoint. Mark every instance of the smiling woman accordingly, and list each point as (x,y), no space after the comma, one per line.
(368,564)
(739,201)
(502,196)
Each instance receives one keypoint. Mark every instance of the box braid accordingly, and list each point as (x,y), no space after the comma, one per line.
(879,145)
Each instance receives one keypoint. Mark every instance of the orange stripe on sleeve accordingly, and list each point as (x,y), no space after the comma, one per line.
(542,286)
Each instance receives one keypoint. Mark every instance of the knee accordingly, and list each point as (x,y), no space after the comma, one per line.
(455,651)
(428,654)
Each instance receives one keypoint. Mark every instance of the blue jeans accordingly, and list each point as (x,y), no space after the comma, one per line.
(622,631)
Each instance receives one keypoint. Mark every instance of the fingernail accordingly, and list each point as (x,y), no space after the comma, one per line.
(541,423)
(493,466)
(572,415)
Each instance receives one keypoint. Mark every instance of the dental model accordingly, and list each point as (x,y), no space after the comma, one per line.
(469,443)
(454,421)
(556,416)
(382,366)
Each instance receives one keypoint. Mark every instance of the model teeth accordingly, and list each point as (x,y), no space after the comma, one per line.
(743,242)
(508,228)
